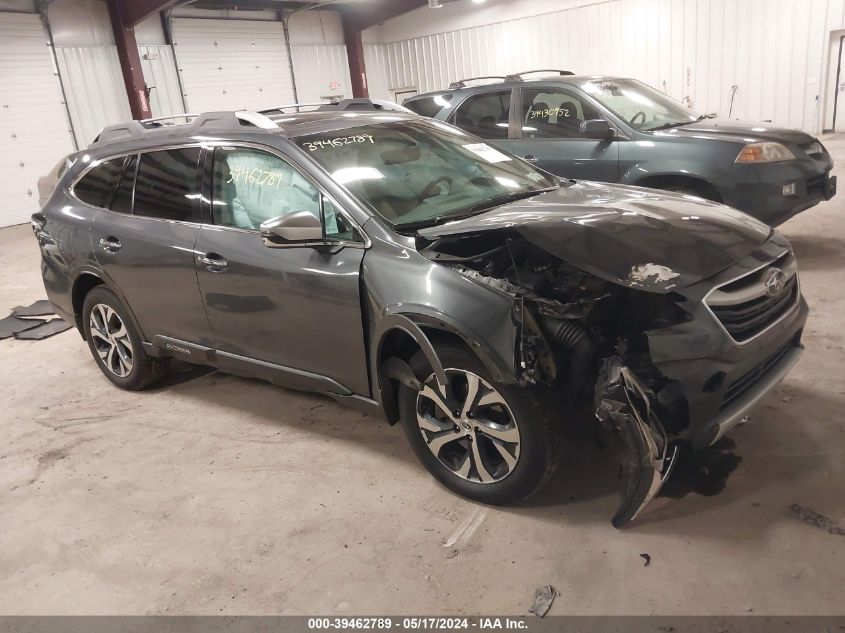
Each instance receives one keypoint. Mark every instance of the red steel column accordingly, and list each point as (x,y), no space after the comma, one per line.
(355,54)
(130,61)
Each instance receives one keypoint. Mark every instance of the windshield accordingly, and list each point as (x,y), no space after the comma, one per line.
(643,107)
(420,172)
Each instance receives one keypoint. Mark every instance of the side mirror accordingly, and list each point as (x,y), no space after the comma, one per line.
(294,228)
(597,129)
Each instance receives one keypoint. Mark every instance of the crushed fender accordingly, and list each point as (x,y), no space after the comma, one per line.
(625,404)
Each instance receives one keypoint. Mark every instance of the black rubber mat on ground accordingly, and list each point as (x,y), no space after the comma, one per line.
(41,307)
(12,325)
(43,330)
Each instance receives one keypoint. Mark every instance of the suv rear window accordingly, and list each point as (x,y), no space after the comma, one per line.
(486,114)
(166,186)
(429,106)
(96,187)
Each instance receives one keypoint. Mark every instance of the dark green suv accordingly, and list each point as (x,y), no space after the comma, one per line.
(620,130)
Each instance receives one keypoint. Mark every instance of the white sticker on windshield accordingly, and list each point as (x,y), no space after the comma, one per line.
(490,154)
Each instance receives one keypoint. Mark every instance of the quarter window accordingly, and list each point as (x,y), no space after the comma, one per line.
(550,113)
(166,186)
(96,187)
(429,106)
(251,186)
(485,115)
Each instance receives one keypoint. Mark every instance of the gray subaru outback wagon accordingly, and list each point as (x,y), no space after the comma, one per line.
(620,130)
(403,266)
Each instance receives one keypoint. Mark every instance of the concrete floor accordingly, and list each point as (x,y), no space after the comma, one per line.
(215,494)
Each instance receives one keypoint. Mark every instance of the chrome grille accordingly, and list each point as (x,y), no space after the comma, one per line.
(749,305)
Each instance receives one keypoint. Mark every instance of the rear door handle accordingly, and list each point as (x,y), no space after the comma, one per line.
(110,244)
(531,158)
(213,262)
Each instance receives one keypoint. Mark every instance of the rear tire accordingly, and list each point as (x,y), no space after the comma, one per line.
(500,450)
(115,344)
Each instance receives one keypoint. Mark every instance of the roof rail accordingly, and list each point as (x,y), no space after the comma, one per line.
(518,76)
(341,105)
(286,106)
(461,83)
(157,119)
(138,129)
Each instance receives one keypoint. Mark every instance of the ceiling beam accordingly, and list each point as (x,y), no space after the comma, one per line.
(135,11)
(366,14)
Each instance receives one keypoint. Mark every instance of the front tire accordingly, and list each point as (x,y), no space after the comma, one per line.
(115,344)
(499,444)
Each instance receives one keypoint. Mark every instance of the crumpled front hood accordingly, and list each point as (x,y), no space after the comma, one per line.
(739,131)
(640,238)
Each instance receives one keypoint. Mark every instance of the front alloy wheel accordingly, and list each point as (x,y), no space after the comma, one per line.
(111,340)
(477,438)
(491,442)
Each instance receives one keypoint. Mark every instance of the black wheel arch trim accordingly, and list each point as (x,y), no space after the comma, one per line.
(106,281)
(413,324)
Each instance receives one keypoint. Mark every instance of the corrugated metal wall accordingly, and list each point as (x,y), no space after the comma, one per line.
(33,123)
(694,50)
(95,91)
(321,70)
(159,68)
(232,64)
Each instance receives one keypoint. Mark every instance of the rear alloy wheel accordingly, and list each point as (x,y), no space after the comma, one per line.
(115,343)
(111,340)
(489,442)
(479,440)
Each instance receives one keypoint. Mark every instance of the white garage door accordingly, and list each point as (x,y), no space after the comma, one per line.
(232,64)
(34,132)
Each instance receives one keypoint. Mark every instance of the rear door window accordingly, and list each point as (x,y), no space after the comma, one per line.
(122,202)
(486,114)
(166,186)
(96,187)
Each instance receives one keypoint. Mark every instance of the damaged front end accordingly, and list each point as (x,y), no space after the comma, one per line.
(587,338)
(623,403)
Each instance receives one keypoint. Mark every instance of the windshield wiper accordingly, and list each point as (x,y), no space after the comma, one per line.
(666,126)
(476,209)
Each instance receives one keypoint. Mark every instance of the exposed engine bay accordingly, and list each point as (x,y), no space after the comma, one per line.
(586,337)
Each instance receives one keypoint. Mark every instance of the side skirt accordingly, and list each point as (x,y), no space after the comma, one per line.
(289,377)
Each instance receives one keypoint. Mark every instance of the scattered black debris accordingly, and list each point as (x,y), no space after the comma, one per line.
(12,325)
(43,329)
(814,518)
(647,559)
(705,472)
(666,629)
(42,307)
(543,598)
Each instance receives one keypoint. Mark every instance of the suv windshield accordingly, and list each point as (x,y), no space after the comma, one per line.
(416,173)
(641,106)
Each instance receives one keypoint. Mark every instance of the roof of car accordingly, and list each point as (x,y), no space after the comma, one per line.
(510,81)
(286,120)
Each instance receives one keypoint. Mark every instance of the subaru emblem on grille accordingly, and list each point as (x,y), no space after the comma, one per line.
(774,281)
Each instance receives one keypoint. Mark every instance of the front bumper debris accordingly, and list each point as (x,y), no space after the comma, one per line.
(625,404)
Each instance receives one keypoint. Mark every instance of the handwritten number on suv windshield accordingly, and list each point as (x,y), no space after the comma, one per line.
(337,142)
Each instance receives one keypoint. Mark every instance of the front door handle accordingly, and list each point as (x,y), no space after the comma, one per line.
(110,244)
(530,158)
(213,262)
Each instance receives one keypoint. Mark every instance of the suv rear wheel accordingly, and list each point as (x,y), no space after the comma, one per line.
(492,443)
(115,343)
